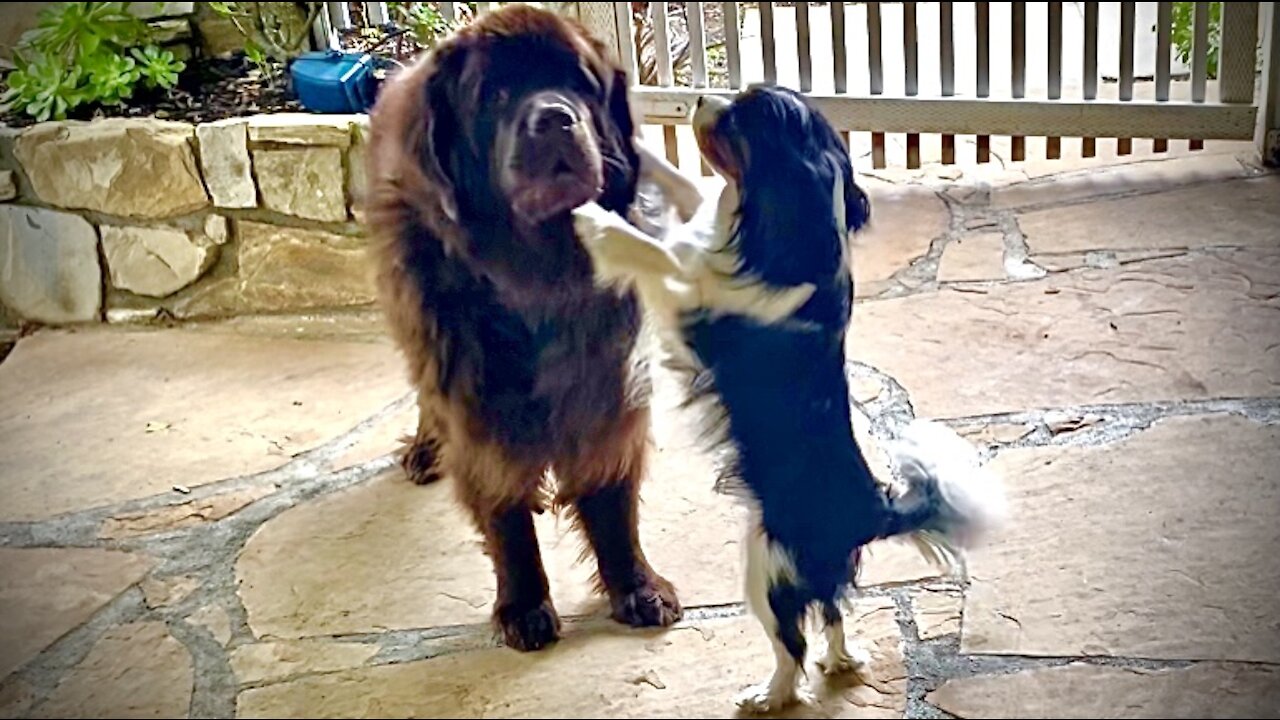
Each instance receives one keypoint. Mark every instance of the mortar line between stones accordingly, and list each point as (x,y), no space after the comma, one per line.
(1017,262)
(44,672)
(1123,193)
(920,656)
(906,282)
(921,273)
(214,686)
(80,528)
(330,450)
(932,663)
(208,553)
(909,641)
(1257,404)
(1103,424)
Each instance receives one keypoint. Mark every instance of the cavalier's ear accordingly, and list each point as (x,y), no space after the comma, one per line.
(721,150)
(857,206)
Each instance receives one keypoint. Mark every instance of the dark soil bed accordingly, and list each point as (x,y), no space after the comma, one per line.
(210,89)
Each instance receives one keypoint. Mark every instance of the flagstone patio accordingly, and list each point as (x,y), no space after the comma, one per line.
(205,519)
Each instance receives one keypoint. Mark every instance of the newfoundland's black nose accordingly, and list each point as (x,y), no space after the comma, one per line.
(552,116)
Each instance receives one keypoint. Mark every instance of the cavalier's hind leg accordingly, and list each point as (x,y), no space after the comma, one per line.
(838,658)
(774,600)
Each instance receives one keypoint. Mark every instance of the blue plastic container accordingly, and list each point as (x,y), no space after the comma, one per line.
(330,81)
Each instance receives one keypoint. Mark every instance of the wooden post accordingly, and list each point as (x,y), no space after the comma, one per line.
(601,20)
(1268,132)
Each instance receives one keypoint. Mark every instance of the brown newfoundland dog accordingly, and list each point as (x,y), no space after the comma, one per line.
(478,153)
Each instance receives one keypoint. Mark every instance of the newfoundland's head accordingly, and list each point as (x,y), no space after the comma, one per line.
(514,120)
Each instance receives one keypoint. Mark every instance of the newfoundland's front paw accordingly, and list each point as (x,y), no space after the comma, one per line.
(528,629)
(653,604)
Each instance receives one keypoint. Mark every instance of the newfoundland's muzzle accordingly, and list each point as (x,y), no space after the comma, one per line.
(552,157)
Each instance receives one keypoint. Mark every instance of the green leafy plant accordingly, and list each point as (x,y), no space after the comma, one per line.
(85,53)
(259,59)
(111,77)
(1183,34)
(158,67)
(425,22)
(80,29)
(44,90)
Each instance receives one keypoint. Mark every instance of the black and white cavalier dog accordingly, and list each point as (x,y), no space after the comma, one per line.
(753,297)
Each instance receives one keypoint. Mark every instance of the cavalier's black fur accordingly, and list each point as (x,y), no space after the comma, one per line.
(756,294)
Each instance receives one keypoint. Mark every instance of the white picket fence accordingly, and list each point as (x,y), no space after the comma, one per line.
(977,70)
(337,15)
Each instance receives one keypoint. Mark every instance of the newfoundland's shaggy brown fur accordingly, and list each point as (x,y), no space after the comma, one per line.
(478,153)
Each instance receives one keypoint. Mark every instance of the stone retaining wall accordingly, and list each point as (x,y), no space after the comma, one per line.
(131,219)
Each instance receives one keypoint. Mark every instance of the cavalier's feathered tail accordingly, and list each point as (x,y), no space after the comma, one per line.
(951,499)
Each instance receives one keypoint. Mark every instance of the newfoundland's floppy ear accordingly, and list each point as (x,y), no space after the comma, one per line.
(613,79)
(617,121)
(620,104)
(411,127)
(440,130)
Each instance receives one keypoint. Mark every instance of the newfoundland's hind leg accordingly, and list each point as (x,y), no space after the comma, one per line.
(779,605)
(419,458)
(420,455)
(838,657)
(605,493)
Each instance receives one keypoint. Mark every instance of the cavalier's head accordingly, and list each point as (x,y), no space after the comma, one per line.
(770,138)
